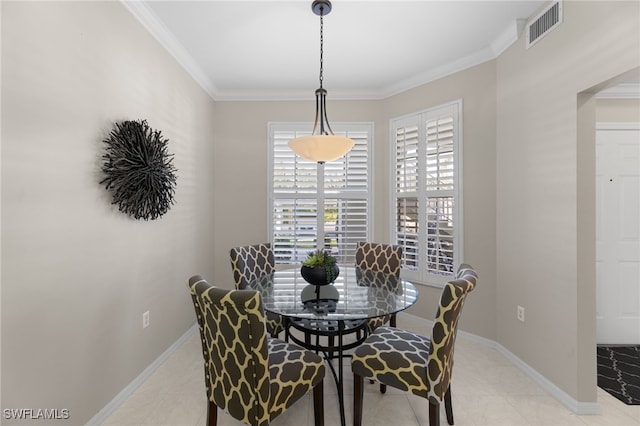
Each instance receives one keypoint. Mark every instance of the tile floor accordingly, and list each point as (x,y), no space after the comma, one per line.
(487,389)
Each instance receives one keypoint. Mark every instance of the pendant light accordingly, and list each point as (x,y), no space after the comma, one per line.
(322,145)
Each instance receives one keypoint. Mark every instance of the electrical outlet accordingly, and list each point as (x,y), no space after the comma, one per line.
(145,319)
(520,313)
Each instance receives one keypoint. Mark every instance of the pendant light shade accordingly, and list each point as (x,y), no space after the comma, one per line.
(321,148)
(322,145)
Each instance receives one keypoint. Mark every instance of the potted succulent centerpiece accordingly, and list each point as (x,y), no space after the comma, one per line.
(320,268)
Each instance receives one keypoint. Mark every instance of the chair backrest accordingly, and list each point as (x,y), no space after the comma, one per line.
(370,278)
(445,326)
(251,262)
(234,346)
(194,282)
(379,257)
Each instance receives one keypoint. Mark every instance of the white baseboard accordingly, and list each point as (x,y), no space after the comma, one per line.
(113,405)
(581,408)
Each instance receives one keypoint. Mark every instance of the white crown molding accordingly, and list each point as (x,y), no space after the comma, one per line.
(159,31)
(510,35)
(621,91)
(438,73)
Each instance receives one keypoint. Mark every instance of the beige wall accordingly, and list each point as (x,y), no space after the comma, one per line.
(243,198)
(241,167)
(545,186)
(476,87)
(76,273)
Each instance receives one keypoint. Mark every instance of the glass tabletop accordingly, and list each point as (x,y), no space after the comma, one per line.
(361,294)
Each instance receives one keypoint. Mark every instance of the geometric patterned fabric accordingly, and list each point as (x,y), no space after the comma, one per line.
(379,257)
(382,258)
(248,374)
(249,263)
(414,363)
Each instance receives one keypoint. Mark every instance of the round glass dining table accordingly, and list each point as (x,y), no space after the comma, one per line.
(337,310)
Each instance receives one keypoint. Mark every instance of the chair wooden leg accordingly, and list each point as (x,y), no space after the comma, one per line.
(318,404)
(392,320)
(383,388)
(212,414)
(434,413)
(447,405)
(358,394)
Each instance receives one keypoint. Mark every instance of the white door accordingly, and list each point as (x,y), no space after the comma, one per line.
(618,235)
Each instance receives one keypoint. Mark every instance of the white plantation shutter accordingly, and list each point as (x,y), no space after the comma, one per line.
(319,206)
(406,136)
(294,224)
(426,152)
(349,174)
(407,225)
(291,174)
(440,230)
(440,153)
(407,157)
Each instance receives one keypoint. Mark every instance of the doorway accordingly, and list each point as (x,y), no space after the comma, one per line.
(618,233)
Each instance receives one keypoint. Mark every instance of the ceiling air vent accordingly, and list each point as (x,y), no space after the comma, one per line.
(544,22)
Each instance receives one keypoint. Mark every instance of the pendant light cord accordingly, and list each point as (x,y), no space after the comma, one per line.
(322,145)
(321,44)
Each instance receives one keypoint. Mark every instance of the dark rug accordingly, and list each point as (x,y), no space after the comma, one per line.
(619,372)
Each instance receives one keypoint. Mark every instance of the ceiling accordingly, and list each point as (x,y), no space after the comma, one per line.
(265,50)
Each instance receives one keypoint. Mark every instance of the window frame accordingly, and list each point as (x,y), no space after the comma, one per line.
(368,195)
(421,275)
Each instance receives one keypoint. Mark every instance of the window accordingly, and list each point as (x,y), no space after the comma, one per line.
(426,159)
(319,206)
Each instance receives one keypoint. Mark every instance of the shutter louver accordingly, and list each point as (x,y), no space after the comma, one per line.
(303,218)
(407,159)
(440,154)
(439,191)
(345,225)
(294,229)
(349,173)
(291,173)
(407,230)
(440,235)
(425,187)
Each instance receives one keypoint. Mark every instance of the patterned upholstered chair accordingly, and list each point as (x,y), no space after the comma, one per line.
(415,363)
(248,374)
(249,263)
(384,258)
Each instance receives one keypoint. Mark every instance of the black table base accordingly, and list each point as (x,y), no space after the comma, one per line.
(331,330)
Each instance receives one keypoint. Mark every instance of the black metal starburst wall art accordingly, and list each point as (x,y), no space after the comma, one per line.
(139,171)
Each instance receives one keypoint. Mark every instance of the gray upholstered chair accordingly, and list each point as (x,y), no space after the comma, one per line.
(415,363)
(383,258)
(248,374)
(249,263)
